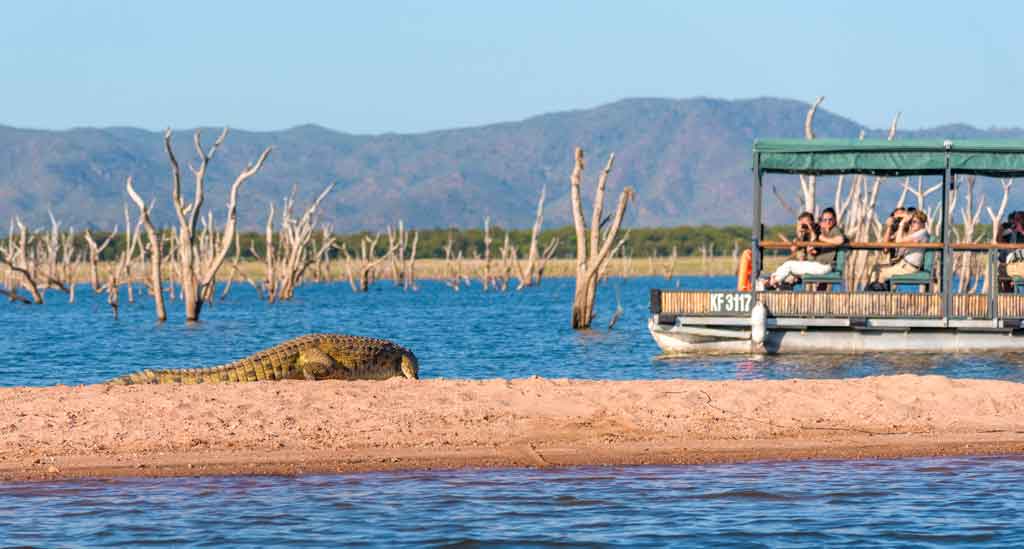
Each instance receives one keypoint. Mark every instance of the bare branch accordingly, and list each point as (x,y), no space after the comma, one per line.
(892,127)
(577,209)
(809,120)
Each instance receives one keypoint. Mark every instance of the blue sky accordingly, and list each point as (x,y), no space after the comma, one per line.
(374,67)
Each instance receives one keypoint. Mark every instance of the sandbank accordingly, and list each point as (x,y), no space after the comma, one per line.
(298,427)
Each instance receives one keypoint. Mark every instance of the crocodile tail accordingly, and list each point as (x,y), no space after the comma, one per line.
(136,378)
(227,373)
(152,377)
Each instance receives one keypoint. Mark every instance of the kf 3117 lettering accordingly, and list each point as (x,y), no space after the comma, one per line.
(730,302)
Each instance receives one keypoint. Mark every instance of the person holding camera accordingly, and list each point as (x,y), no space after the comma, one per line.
(889,231)
(806,231)
(1012,262)
(913,227)
(815,260)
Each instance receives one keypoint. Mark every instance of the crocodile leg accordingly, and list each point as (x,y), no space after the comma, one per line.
(316,364)
(409,368)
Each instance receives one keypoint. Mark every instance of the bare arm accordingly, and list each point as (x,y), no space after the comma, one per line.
(837,239)
(908,237)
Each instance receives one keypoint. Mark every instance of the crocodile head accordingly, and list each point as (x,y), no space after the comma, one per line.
(410,366)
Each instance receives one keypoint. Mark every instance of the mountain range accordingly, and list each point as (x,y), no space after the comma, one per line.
(688,160)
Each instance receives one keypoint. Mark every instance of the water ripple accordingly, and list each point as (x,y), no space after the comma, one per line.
(466,334)
(471,334)
(806,504)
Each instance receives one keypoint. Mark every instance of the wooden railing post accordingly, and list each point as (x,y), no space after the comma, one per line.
(993,287)
(755,230)
(947,255)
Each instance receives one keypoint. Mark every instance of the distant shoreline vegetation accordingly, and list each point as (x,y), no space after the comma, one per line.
(643,242)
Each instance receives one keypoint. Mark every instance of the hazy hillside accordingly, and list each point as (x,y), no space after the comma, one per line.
(688,159)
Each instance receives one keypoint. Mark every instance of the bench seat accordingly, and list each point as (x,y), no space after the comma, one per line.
(831,278)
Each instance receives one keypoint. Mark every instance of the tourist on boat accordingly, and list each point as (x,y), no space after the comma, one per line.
(1013,230)
(892,226)
(1011,263)
(819,259)
(806,231)
(912,228)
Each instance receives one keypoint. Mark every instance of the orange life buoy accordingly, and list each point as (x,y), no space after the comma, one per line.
(743,282)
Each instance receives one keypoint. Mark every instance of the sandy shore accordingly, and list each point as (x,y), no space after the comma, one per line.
(306,427)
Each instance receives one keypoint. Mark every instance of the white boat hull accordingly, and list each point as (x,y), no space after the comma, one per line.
(683,340)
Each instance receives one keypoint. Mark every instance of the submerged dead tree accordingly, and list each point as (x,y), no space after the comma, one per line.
(403,259)
(592,254)
(453,265)
(120,271)
(806,200)
(287,263)
(362,270)
(487,276)
(532,273)
(56,257)
(16,257)
(809,183)
(155,282)
(94,257)
(197,273)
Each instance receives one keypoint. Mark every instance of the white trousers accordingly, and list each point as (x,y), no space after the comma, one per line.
(800,268)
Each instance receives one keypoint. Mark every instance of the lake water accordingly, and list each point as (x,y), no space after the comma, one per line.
(465,334)
(472,334)
(910,503)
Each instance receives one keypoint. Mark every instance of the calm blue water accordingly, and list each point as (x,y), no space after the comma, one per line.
(465,334)
(913,503)
(471,334)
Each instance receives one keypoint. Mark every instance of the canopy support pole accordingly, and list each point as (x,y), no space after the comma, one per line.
(993,287)
(947,255)
(755,230)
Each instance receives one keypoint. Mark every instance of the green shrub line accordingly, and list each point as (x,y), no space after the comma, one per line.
(642,242)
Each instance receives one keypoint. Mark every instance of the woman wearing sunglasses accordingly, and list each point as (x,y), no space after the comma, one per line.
(914,228)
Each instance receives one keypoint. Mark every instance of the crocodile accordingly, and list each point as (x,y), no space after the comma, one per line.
(310,357)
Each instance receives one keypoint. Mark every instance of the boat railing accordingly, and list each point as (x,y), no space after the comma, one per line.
(958,247)
(849,305)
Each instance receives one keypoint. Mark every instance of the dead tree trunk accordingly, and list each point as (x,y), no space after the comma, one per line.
(671,268)
(997,216)
(94,257)
(119,271)
(15,256)
(590,260)
(808,184)
(362,271)
(296,235)
(50,261)
(155,259)
(409,265)
(507,267)
(402,260)
(486,275)
(197,276)
(533,272)
(452,264)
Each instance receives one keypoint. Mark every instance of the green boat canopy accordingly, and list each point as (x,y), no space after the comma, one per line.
(996,158)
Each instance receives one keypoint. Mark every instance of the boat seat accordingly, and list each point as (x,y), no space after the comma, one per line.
(925,277)
(1017,281)
(831,278)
